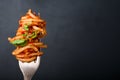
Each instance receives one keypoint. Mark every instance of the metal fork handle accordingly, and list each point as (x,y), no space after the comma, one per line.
(29,69)
(27,78)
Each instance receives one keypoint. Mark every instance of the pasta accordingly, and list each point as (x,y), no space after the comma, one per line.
(27,39)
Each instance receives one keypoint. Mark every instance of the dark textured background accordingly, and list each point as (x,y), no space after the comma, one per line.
(83,39)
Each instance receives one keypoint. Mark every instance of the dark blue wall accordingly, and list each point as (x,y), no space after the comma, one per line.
(83,39)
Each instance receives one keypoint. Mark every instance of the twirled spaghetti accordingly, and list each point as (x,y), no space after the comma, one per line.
(31,29)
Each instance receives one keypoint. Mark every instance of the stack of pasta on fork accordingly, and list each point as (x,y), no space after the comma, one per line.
(27,40)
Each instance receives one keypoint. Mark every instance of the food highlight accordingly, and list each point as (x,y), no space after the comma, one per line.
(27,40)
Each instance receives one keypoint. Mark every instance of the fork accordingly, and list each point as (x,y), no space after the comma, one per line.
(29,69)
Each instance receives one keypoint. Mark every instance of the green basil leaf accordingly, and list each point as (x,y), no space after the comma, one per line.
(26,27)
(33,35)
(19,41)
(23,44)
